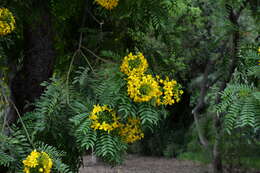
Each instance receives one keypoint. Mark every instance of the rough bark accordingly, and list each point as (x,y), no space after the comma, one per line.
(37,64)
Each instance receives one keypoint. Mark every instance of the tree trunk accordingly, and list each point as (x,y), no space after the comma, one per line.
(217,157)
(233,18)
(38,61)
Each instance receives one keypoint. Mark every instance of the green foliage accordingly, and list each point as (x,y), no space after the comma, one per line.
(240,150)
(85,136)
(16,147)
(49,122)
(110,148)
(149,115)
(178,38)
(15,141)
(63,10)
(56,157)
(108,87)
(241,102)
(5,159)
(250,58)
(154,12)
(106,146)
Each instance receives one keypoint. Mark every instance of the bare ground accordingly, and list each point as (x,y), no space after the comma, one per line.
(141,164)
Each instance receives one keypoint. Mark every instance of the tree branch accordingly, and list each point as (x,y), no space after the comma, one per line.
(201,103)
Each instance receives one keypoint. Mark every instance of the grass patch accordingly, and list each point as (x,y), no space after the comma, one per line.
(194,156)
(251,162)
(247,162)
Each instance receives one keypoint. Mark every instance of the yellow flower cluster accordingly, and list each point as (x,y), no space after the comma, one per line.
(37,162)
(132,132)
(7,21)
(134,64)
(171,92)
(108,4)
(104,118)
(143,88)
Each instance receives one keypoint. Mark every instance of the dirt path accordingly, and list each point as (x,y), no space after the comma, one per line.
(140,164)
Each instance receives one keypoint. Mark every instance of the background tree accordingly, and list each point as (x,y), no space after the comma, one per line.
(203,44)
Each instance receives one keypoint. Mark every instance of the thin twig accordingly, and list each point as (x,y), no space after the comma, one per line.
(87,60)
(77,51)
(24,127)
(100,23)
(69,71)
(95,55)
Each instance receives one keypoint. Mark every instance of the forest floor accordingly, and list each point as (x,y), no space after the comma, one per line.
(141,164)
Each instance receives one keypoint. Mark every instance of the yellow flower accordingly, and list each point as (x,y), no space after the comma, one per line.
(134,64)
(32,160)
(46,162)
(104,118)
(106,127)
(26,170)
(7,21)
(143,88)
(171,92)
(131,131)
(37,161)
(108,4)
